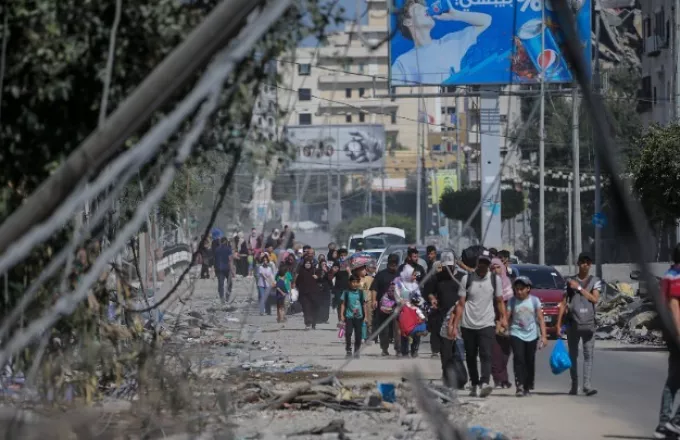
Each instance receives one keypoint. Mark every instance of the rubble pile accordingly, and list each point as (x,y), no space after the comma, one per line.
(630,319)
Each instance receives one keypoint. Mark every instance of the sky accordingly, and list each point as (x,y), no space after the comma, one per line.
(350,8)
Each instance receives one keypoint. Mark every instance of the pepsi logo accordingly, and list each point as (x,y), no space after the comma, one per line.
(547,59)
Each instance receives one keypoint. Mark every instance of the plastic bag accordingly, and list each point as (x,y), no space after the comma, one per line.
(559,358)
(294,295)
(341,331)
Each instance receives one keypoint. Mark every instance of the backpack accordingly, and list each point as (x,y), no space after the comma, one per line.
(387,304)
(582,311)
(494,280)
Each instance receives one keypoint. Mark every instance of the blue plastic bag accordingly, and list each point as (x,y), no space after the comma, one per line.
(559,358)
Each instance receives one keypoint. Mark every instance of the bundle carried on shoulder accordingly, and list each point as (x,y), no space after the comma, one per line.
(470,255)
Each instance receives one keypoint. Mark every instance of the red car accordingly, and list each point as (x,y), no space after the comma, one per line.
(548,286)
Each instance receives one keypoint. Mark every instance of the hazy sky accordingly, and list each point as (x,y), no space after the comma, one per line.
(350,8)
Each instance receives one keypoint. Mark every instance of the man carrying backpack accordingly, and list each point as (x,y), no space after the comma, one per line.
(580,298)
(475,313)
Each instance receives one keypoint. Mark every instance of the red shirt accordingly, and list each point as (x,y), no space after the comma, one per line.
(670,283)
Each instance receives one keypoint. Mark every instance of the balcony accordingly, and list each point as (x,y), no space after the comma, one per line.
(368,104)
(356,79)
(653,45)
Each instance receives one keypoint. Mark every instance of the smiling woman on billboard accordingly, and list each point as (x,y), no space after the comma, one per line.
(434,56)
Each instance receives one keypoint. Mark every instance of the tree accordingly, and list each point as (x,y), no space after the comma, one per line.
(459,205)
(656,174)
(623,82)
(345,229)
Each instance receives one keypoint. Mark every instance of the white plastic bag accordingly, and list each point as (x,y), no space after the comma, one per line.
(294,295)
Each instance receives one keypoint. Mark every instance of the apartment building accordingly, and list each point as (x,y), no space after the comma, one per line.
(345,82)
(659,91)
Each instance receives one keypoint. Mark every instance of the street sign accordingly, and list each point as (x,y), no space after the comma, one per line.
(599,220)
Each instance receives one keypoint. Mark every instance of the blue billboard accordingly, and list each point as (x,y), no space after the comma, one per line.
(461,42)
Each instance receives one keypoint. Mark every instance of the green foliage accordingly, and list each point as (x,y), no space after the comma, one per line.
(625,125)
(356,226)
(656,174)
(459,205)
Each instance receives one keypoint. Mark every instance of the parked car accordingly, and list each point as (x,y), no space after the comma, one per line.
(548,286)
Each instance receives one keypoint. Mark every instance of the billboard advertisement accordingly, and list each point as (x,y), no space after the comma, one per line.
(461,42)
(440,180)
(337,147)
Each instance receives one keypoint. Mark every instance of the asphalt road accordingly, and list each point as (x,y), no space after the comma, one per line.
(629,380)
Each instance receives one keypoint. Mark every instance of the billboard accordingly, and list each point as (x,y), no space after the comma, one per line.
(337,147)
(461,42)
(440,180)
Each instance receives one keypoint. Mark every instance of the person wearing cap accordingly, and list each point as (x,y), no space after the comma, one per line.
(446,297)
(476,316)
(578,304)
(381,285)
(527,334)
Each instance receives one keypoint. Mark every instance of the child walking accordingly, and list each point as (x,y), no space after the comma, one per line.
(525,318)
(282,292)
(353,313)
(412,325)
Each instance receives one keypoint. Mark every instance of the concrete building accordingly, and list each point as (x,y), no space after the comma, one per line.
(345,82)
(660,89)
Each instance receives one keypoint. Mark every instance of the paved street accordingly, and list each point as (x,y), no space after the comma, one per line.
(629,378)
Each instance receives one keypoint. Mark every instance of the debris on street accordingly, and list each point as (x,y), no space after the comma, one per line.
(627,318)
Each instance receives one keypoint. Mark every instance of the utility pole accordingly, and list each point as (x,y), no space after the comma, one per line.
(570,219)
(459,173)
(370,193)
(541,154)
(419,171)
(576,158)
(598,185)
(384,213)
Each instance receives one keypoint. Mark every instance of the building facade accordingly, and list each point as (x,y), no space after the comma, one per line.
(658,98)
(346,82)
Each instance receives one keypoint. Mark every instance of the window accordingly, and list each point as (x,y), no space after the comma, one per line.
(348,93)
(448,110)
(645,95)
(348,119)
(660,25)
(647,27)
(654,96)
(304,94)
(346,66)
(360,68)
(393,117)
(361,92)
(304,69)
(305,119)
(447,89)
(362,117)
(504,119)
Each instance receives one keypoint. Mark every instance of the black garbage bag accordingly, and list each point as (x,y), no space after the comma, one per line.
(470,255)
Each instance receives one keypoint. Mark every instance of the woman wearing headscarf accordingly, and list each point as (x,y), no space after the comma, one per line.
(325,282)
(306,283)
(501,347)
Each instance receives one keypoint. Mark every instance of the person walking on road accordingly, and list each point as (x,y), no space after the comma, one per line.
(224,267)
(434,318)
(580,298)
(306,283)
(669,417)
(382,283)
(526,319)
(445,299)
(501,345)
(265,283)
(476,315)
(353,312)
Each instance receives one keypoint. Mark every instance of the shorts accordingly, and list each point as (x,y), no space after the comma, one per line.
(280,301)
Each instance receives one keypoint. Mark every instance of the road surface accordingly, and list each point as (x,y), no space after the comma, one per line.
(629,378)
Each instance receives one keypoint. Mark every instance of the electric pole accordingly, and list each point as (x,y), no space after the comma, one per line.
(598,186)
(576,158)
(541,154)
